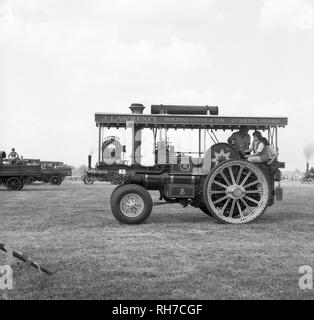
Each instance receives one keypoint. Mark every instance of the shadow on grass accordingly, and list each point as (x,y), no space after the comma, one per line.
(29,190)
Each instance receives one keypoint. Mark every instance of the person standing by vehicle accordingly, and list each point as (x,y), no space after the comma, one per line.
(241,140)
(259,149)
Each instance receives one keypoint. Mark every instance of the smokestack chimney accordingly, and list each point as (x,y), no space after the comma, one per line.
(137,108)
(307,167)
(89,162)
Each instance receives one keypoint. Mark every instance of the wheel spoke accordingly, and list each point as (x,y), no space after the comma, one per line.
(251,199)
(232,208)
(246,204)
(246,177)
(239,175)
(251,184)
(218,192)
(220,184)
(232,175)
(239,208)
(254,192)
(225,178)
(225,206)
(220,200)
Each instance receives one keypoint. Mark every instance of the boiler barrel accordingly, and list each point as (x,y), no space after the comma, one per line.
(190,110)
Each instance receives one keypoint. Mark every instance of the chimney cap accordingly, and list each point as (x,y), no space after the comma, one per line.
(137,108)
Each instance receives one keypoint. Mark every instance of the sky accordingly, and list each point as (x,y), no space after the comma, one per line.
(62,61)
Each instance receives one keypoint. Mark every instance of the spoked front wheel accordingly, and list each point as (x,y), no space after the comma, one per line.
(236,192)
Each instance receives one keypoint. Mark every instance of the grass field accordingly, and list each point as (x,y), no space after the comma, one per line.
(179,253)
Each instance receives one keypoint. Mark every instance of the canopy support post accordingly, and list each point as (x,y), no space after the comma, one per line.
(199,142)
(99,142)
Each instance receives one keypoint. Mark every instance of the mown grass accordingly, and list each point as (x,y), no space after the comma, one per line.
(179,253)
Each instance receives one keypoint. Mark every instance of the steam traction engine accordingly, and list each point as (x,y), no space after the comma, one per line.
(214,178)
(308,177)
(112,152)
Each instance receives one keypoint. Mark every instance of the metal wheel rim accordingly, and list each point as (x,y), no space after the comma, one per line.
(237,192)
(14,184)
(132,205)
(88,180)
(115,178)
(55,180)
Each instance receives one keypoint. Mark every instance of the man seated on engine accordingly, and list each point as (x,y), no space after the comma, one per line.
(13,157)
(241,140)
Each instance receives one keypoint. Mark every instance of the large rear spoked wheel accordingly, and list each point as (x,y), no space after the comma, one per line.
(115,178)
(206,211)
(236,192)
(131,204)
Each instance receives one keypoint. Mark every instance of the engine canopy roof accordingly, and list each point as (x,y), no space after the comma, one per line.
(187,121)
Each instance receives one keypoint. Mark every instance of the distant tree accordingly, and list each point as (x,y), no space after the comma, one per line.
(82,167)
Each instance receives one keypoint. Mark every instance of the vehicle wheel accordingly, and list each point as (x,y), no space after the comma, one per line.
(14,184)
(131,204)
(115,178)
(55,180)
(236,192)
(115,189)
(88,180)
(271,201)
(206,211)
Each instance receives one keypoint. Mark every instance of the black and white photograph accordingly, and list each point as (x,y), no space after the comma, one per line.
(156,150)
